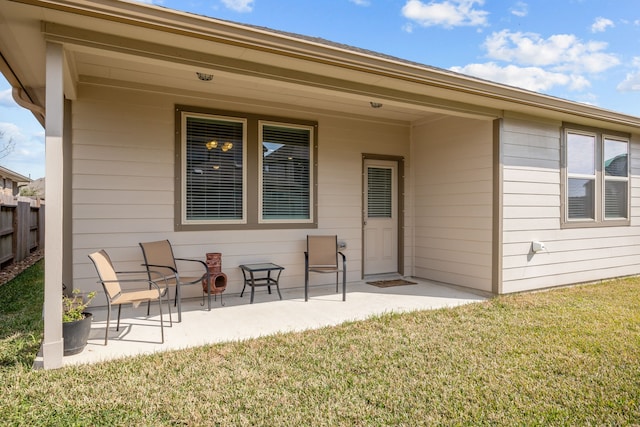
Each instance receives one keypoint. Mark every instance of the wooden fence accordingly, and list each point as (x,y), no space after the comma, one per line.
(21,229)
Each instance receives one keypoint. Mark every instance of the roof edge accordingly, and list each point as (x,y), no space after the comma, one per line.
(315,49)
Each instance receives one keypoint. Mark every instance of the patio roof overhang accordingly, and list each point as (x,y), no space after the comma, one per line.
(154,49)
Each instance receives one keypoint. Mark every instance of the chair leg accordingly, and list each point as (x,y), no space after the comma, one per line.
(337,279)
(161,319)
(344,284)
(106,330)
(166,294)
(179,301)
(306,285)
(119,309)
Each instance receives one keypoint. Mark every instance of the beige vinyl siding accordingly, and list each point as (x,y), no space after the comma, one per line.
(531,208)
(452,204)
(123,186)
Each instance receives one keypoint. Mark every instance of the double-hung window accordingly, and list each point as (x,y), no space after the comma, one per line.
(596,178)
(244,171)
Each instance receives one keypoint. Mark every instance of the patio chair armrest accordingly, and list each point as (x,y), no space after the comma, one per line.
(162,266)
(204,264)
(344,258)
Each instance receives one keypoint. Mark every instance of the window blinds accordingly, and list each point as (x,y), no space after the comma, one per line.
(379,199)
(214,169)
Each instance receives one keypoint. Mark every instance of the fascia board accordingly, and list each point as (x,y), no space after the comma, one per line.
(190,25)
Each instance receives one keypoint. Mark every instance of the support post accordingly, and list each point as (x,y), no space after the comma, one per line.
(52,348)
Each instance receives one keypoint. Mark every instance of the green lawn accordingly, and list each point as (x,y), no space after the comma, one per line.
(564,357)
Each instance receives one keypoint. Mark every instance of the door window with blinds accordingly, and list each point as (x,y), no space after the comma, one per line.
(285,172)
(244,171)
(596,183)
(380,193)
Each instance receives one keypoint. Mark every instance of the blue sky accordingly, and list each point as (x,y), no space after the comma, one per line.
(582,50)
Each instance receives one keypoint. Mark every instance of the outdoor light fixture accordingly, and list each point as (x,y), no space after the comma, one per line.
(375,104)
(204,77)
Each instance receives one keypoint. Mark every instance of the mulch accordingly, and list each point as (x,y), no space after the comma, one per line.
(11,271)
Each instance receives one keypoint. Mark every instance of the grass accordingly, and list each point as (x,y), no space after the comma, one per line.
(565,357)
(21,324)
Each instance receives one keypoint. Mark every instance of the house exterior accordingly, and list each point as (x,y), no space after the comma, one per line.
(10,181)
(229,138)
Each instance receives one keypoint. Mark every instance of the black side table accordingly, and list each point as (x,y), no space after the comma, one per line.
(260,281)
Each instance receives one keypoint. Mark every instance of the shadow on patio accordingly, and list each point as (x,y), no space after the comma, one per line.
(239,320)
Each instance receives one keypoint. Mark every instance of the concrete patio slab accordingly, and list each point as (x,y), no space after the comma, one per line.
(239,320)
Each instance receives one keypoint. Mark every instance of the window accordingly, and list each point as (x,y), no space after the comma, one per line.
(380,192)
(214,175)
(285,172)
(244,171)
(596,183)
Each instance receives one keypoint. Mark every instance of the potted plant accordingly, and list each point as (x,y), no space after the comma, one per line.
(76,322)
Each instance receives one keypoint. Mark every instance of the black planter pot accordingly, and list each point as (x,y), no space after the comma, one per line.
(75,335)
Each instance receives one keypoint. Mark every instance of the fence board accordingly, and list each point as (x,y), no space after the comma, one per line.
(21,230)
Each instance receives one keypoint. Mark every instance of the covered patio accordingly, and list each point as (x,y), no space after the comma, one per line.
(239,320)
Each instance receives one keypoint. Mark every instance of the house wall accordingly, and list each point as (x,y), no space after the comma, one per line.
(531,153)
(123,186)
(453,186)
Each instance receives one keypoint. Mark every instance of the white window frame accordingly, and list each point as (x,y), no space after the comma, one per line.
(310,220)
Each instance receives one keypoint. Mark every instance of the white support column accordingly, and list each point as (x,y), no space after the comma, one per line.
(52,348)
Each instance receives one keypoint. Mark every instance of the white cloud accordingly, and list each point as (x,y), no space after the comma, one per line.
(447,13)
(520,9)
(601,24)
(239,5)
(6,99)
(561,52)
(632,81)
(532,78)
(28,156)
(361,2)
(408,28)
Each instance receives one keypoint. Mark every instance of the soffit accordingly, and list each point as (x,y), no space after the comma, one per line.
(101,58)
(274,65)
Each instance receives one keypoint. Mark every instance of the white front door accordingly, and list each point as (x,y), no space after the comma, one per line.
(380,219)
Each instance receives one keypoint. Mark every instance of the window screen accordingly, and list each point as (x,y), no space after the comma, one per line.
(581,167)
(286,172)
(616,179)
